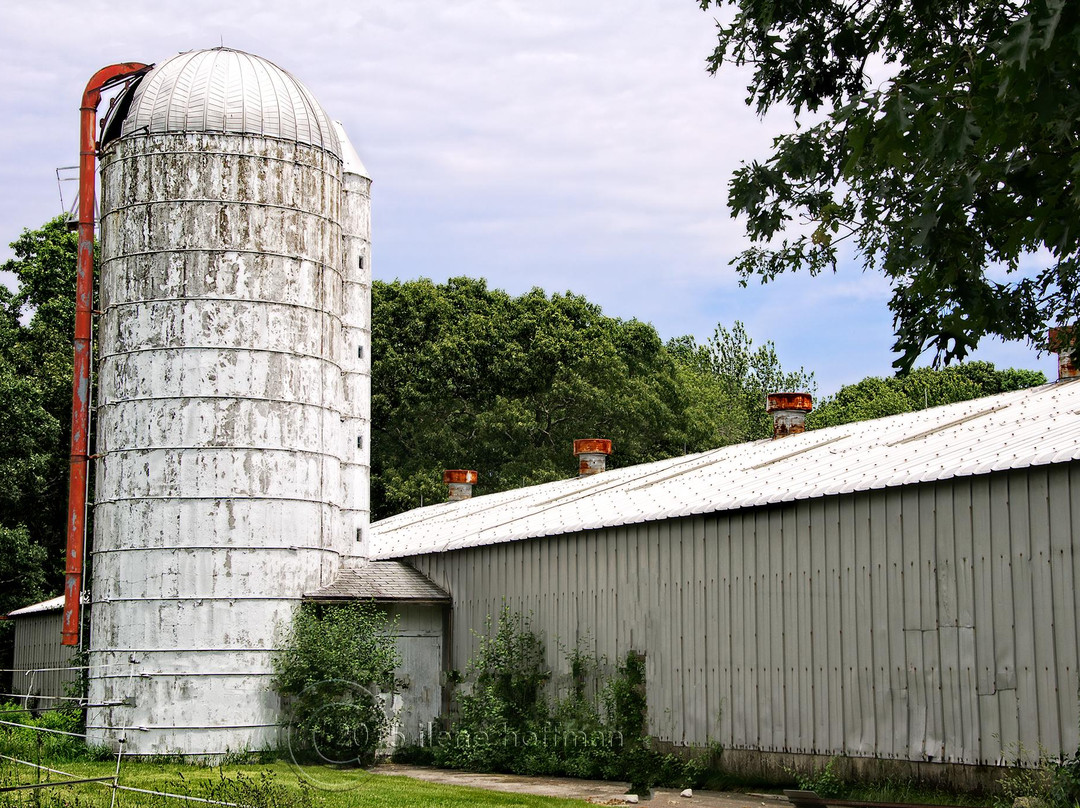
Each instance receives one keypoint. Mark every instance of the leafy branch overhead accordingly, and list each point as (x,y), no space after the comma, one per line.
(936,138)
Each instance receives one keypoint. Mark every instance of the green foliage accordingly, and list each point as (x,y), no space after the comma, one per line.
(625,700)
(261,790)
(334,664)
(937,139)
(824,782)
(909,790)
(29,744)
(277,784)
(1052,782)
(876,397)
(510,673)
(36,326)
(22,568)
(510,722)
(468,377)
(727,380)
(500,715)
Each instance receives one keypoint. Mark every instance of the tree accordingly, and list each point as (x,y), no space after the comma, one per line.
(468,377)
(951,176)
(876,397)
(36,324)
(730,380)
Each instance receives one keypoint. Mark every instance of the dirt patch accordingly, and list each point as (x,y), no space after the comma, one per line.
(597,792)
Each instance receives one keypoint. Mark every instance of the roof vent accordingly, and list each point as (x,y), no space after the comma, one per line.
(1061,343)
(460,482)
(788,411)
(592,454)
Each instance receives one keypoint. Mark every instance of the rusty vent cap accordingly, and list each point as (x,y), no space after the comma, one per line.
(592,446)
(800,402)
(460,476)
(1060,339)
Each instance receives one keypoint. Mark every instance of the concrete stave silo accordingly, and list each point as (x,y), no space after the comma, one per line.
(356,339)
(224,428)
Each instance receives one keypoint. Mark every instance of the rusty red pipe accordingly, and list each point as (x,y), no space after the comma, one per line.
(80,387)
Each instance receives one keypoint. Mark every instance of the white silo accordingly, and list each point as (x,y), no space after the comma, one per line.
(356,339)
(233,395)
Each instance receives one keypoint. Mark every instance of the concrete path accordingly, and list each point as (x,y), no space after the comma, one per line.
(599,792)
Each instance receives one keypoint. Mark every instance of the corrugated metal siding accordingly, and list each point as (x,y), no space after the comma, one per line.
(38,648)
(930,622)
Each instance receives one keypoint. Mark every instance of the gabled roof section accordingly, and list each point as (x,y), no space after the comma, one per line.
(381,581)
(51,605)
(1032,427)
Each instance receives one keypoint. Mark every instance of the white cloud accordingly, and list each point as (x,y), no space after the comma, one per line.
(561,145)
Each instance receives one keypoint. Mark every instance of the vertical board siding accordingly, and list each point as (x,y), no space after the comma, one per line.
(928,622)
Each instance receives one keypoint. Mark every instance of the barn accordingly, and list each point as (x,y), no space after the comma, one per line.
(899,590)
(896,590)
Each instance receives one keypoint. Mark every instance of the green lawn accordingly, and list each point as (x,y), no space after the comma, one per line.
(276,785)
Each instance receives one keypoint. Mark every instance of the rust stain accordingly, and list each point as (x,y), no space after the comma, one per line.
(789,401)
(789,412)
(592,446)
(461,476)
(1062,341)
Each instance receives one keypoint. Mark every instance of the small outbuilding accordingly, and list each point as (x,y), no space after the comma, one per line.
(420,612)
(42,672)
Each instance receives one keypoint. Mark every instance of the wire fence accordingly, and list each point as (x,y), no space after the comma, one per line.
(111,782)
(12,785)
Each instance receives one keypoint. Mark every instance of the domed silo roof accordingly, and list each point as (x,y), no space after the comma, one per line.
(224,90)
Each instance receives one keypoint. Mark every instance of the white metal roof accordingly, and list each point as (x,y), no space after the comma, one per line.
(51,605)
(225,90)
(1025,428)
(350,160)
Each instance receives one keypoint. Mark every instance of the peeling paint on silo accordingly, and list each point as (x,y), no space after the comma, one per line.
(231,395)
(356,340)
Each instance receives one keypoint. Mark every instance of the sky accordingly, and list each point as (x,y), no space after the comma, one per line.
(571,146)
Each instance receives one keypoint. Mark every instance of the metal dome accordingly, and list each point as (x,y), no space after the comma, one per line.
(225,90)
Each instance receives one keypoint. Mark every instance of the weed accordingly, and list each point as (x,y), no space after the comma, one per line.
(1052,782)
(509,722)
(824,781)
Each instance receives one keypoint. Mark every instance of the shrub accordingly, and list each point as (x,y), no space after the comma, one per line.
(1053,782)
(335,665)
(505,710)
(508,721)
(824,782)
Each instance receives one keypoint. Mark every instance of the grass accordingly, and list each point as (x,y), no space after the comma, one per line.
(914,793)
(273,785)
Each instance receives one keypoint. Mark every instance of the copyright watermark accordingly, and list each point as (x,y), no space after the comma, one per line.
(340,725)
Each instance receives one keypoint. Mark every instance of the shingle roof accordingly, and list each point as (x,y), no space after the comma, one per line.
(1032,427)
(379,581)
